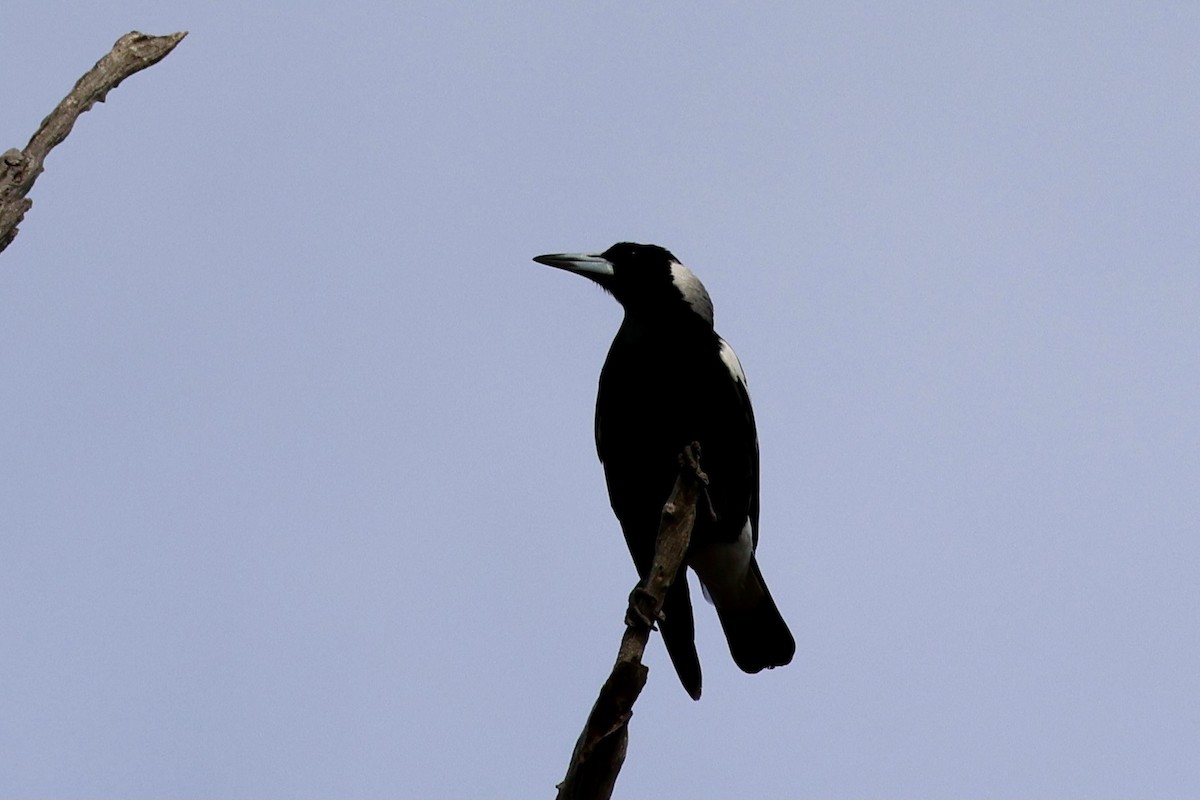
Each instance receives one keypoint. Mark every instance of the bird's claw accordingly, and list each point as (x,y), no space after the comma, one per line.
(642,610)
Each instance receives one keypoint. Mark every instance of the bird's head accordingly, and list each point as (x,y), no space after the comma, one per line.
(644,278)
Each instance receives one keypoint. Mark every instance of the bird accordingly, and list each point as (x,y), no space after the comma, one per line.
(670,380)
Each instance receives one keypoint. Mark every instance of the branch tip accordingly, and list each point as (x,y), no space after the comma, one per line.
(132,53)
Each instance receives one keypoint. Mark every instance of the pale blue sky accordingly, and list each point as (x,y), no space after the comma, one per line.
(298,496)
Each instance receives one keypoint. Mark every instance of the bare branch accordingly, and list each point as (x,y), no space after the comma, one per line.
(132,53)
(600,750)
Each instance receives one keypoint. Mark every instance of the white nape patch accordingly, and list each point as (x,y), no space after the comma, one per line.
(693,290)
(725,574)
(731,360)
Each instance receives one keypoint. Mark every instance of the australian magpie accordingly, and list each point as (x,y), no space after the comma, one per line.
(669,380)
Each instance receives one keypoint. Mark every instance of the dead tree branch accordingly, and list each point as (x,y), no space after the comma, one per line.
(132,53)
(600,751)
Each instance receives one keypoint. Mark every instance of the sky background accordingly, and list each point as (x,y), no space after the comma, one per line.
(298,495)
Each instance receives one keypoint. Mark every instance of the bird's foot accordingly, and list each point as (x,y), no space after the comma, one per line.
(642,609)
(689,460)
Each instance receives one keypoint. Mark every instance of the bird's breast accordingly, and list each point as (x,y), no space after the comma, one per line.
(656,396)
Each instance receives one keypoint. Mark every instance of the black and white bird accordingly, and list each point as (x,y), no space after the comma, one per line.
(669,380)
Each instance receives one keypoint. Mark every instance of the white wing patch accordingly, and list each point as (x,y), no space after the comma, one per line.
(693,290)
(731,360)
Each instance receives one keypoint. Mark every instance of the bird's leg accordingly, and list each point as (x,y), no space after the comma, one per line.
(643,608)
(709,508)
(690,459)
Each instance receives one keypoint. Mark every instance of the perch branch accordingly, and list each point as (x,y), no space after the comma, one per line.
(600,750)
(132,53)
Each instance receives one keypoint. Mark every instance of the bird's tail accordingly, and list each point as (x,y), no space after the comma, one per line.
(757,635)
(679,634)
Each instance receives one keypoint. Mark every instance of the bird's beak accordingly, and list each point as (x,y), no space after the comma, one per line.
(589,265)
